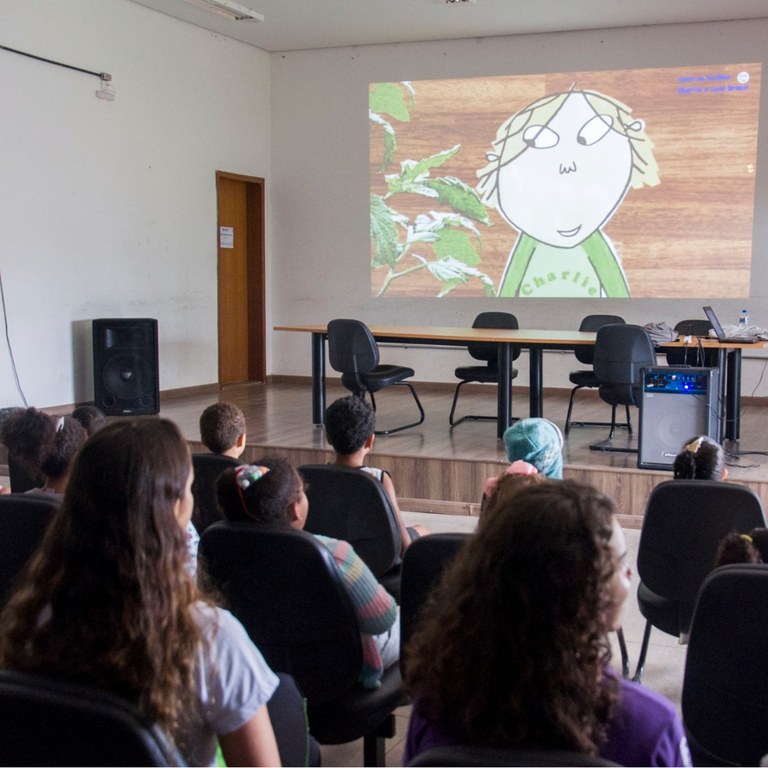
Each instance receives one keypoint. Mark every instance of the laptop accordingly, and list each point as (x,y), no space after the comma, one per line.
(721,337)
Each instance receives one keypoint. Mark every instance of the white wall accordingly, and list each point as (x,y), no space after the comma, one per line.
(320,237)
(108,209)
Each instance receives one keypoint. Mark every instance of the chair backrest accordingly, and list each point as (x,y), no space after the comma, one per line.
(725,685)
(351,347)
(423,564)
(20,479)
(23,522)
(207,468)
(285,588)
(500,320)
(586,354)
(683,524)
(692,356)
(484,756)
(622,351)
(50,722)
(350,505)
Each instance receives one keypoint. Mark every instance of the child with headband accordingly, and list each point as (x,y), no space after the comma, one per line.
(271,492)
(749,547)
(701,459)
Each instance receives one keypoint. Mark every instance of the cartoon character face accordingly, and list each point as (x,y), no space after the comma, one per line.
(569,179)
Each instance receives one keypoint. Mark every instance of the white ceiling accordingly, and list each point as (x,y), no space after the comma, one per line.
(305,24)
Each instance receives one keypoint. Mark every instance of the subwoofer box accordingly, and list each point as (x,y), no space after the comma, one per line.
(676,405)
(125,366)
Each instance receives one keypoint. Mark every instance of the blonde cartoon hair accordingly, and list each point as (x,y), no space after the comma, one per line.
(510,139)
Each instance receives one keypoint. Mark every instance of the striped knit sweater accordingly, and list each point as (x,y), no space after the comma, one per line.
(375,608)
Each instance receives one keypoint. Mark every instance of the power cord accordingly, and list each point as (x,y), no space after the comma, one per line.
(8,344)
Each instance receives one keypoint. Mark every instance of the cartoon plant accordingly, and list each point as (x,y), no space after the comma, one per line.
(446,243)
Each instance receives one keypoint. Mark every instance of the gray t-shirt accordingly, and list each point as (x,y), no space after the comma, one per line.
(232,679)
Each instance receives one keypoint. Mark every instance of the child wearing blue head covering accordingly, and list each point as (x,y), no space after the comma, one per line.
(539,442)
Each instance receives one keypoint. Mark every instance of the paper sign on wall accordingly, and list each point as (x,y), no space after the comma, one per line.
(226,237)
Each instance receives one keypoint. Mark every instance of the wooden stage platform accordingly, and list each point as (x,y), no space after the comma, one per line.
(440,469)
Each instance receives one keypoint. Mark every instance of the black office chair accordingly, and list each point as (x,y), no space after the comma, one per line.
(725,685)
(585,377)
(486,756)
(353,352)
(423,565)
(350,505)
(622,351)
(286,589)
(693,355)
(50,722)
(23,522)
(489,352)
(207,468)
(683,524)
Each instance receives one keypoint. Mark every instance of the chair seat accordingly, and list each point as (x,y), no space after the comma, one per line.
(660,611)
(484,374)
(346,718)
(584,378)
(380,377)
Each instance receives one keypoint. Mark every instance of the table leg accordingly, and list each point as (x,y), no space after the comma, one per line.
(318,378)
(504,406)
(733,395)
(536,364)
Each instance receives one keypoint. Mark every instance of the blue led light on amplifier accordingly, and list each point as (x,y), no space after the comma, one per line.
(677,382)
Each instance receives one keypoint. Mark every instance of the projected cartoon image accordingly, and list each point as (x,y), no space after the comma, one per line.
(559,170)
(565,185)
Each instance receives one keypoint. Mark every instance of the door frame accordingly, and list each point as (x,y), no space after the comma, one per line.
(254,187)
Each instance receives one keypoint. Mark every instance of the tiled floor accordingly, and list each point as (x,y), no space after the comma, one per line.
(663,669)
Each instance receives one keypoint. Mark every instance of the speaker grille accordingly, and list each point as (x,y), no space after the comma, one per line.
(125,366)
(676,404)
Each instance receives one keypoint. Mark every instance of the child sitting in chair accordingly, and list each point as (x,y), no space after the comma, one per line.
(701,459)
(539,442)
(272,493)
(222,429)
(349,428)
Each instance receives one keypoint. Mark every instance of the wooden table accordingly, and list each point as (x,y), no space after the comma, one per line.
(535,341)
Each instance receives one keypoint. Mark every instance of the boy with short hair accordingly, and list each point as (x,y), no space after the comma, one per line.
(349,428)
(222,429)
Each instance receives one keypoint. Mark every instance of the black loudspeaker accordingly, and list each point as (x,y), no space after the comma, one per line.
(676,405)
(125,379)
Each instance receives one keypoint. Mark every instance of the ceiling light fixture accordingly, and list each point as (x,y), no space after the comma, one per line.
(227,8)
(460,2)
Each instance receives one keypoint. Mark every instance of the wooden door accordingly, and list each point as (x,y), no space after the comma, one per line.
(241,294)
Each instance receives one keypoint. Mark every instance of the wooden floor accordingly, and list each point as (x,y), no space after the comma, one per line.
(439,469)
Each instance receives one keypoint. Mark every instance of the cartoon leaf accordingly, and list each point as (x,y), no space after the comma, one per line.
(459,196)
(438,220)
(384,223)
(389,99)
(419,169)
(390,144)
(458,245)
(455,273)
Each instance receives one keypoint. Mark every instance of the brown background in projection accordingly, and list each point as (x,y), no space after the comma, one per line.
(690,236)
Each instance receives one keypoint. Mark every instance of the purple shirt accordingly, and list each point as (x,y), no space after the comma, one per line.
(644,730)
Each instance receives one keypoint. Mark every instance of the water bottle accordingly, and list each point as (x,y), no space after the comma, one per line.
(743,319)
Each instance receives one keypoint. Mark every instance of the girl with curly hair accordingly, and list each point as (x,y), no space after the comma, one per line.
(512,651)
(41,449)
(701,458)
(108,601)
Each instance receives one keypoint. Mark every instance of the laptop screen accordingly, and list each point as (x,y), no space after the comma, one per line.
(712,317)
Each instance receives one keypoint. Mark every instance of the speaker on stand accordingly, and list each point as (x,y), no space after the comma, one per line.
(676,404)
(125,366)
